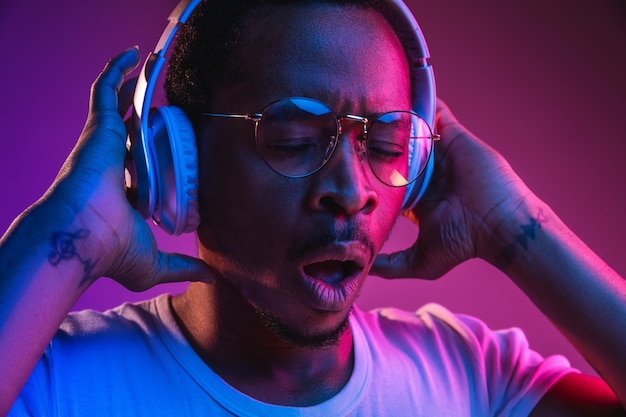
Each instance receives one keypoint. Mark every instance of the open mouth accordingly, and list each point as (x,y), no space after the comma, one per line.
(332,271)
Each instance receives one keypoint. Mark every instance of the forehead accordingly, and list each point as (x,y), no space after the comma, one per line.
(345,55)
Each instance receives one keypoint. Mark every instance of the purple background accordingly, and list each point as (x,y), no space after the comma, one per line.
(542,82)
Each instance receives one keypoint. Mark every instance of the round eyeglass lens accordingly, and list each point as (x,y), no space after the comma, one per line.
(399,144)
(296,135)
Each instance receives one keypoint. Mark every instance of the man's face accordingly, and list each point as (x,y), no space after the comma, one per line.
(300,249)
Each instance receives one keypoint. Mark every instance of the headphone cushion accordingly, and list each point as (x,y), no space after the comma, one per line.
(177,164)
(424,105)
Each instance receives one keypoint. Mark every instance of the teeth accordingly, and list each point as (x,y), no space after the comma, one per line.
(330,272)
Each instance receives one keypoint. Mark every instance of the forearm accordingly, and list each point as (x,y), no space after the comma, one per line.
(569,283)
(46,263)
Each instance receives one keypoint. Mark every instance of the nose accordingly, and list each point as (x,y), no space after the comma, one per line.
(344,185)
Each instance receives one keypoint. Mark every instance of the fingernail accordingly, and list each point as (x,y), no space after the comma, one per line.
(132,48)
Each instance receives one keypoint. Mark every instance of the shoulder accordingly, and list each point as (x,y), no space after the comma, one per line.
(435,322)
(495,368)
(463,336)
(432,321)
(114,345)
(128,316)
(129,325)
(427,335)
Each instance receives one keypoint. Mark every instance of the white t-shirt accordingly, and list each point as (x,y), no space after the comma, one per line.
(134,360)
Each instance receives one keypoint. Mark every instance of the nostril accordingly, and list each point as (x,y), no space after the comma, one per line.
(342,203)
(331,205)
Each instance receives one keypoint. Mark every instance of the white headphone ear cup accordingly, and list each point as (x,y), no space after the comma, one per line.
(415,190)
(424,105)
(177,167)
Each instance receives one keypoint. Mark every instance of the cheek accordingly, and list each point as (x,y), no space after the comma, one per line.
(389,208)
(226,162)
(244,208)
(238,186)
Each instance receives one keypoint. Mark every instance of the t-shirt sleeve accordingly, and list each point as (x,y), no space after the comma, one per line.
(515,376)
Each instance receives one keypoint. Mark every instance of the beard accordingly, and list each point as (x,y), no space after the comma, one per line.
(297,339)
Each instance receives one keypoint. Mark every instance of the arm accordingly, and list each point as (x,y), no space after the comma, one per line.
(478,207)
(81,229)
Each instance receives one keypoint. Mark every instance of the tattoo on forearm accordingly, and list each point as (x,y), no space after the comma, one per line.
(521,240)
(64,248)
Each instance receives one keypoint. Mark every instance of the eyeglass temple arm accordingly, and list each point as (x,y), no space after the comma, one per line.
(255,117)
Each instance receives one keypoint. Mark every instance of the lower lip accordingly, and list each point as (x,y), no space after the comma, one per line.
(331,297)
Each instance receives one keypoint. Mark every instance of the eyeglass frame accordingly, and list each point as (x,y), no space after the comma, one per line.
(362,147)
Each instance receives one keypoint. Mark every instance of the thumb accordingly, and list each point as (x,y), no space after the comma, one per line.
(175,267)
(166,268)
(401,264)
(409,263)
(391,265)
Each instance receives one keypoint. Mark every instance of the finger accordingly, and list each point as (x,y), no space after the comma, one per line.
(174,267)
(444,116)
(407,264)
(441,104)
(392,265)
(125,96)
(104,91)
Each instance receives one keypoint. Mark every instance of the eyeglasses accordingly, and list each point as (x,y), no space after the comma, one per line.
(297,136)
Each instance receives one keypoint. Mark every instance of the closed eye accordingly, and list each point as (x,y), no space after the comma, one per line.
(292,146)
(385,150)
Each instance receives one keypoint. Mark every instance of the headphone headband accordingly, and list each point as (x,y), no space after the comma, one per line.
(153,193)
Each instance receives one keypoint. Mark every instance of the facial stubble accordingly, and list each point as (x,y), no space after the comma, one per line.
(298,339)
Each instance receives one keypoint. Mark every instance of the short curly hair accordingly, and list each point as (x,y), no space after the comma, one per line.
(204,55)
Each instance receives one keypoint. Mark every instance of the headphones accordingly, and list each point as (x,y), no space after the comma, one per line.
(162,162)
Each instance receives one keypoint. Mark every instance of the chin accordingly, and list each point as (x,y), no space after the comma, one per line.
(297,338)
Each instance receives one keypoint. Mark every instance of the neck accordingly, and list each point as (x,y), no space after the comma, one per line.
(233,340)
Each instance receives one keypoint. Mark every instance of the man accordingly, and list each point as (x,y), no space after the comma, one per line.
(284,259)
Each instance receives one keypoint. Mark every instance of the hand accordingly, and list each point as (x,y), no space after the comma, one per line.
(90,184)
(472,192)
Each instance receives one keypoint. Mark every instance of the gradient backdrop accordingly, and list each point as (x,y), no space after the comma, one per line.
(542,82)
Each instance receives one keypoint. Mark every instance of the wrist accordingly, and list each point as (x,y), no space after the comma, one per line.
(512,228)
(67,239)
